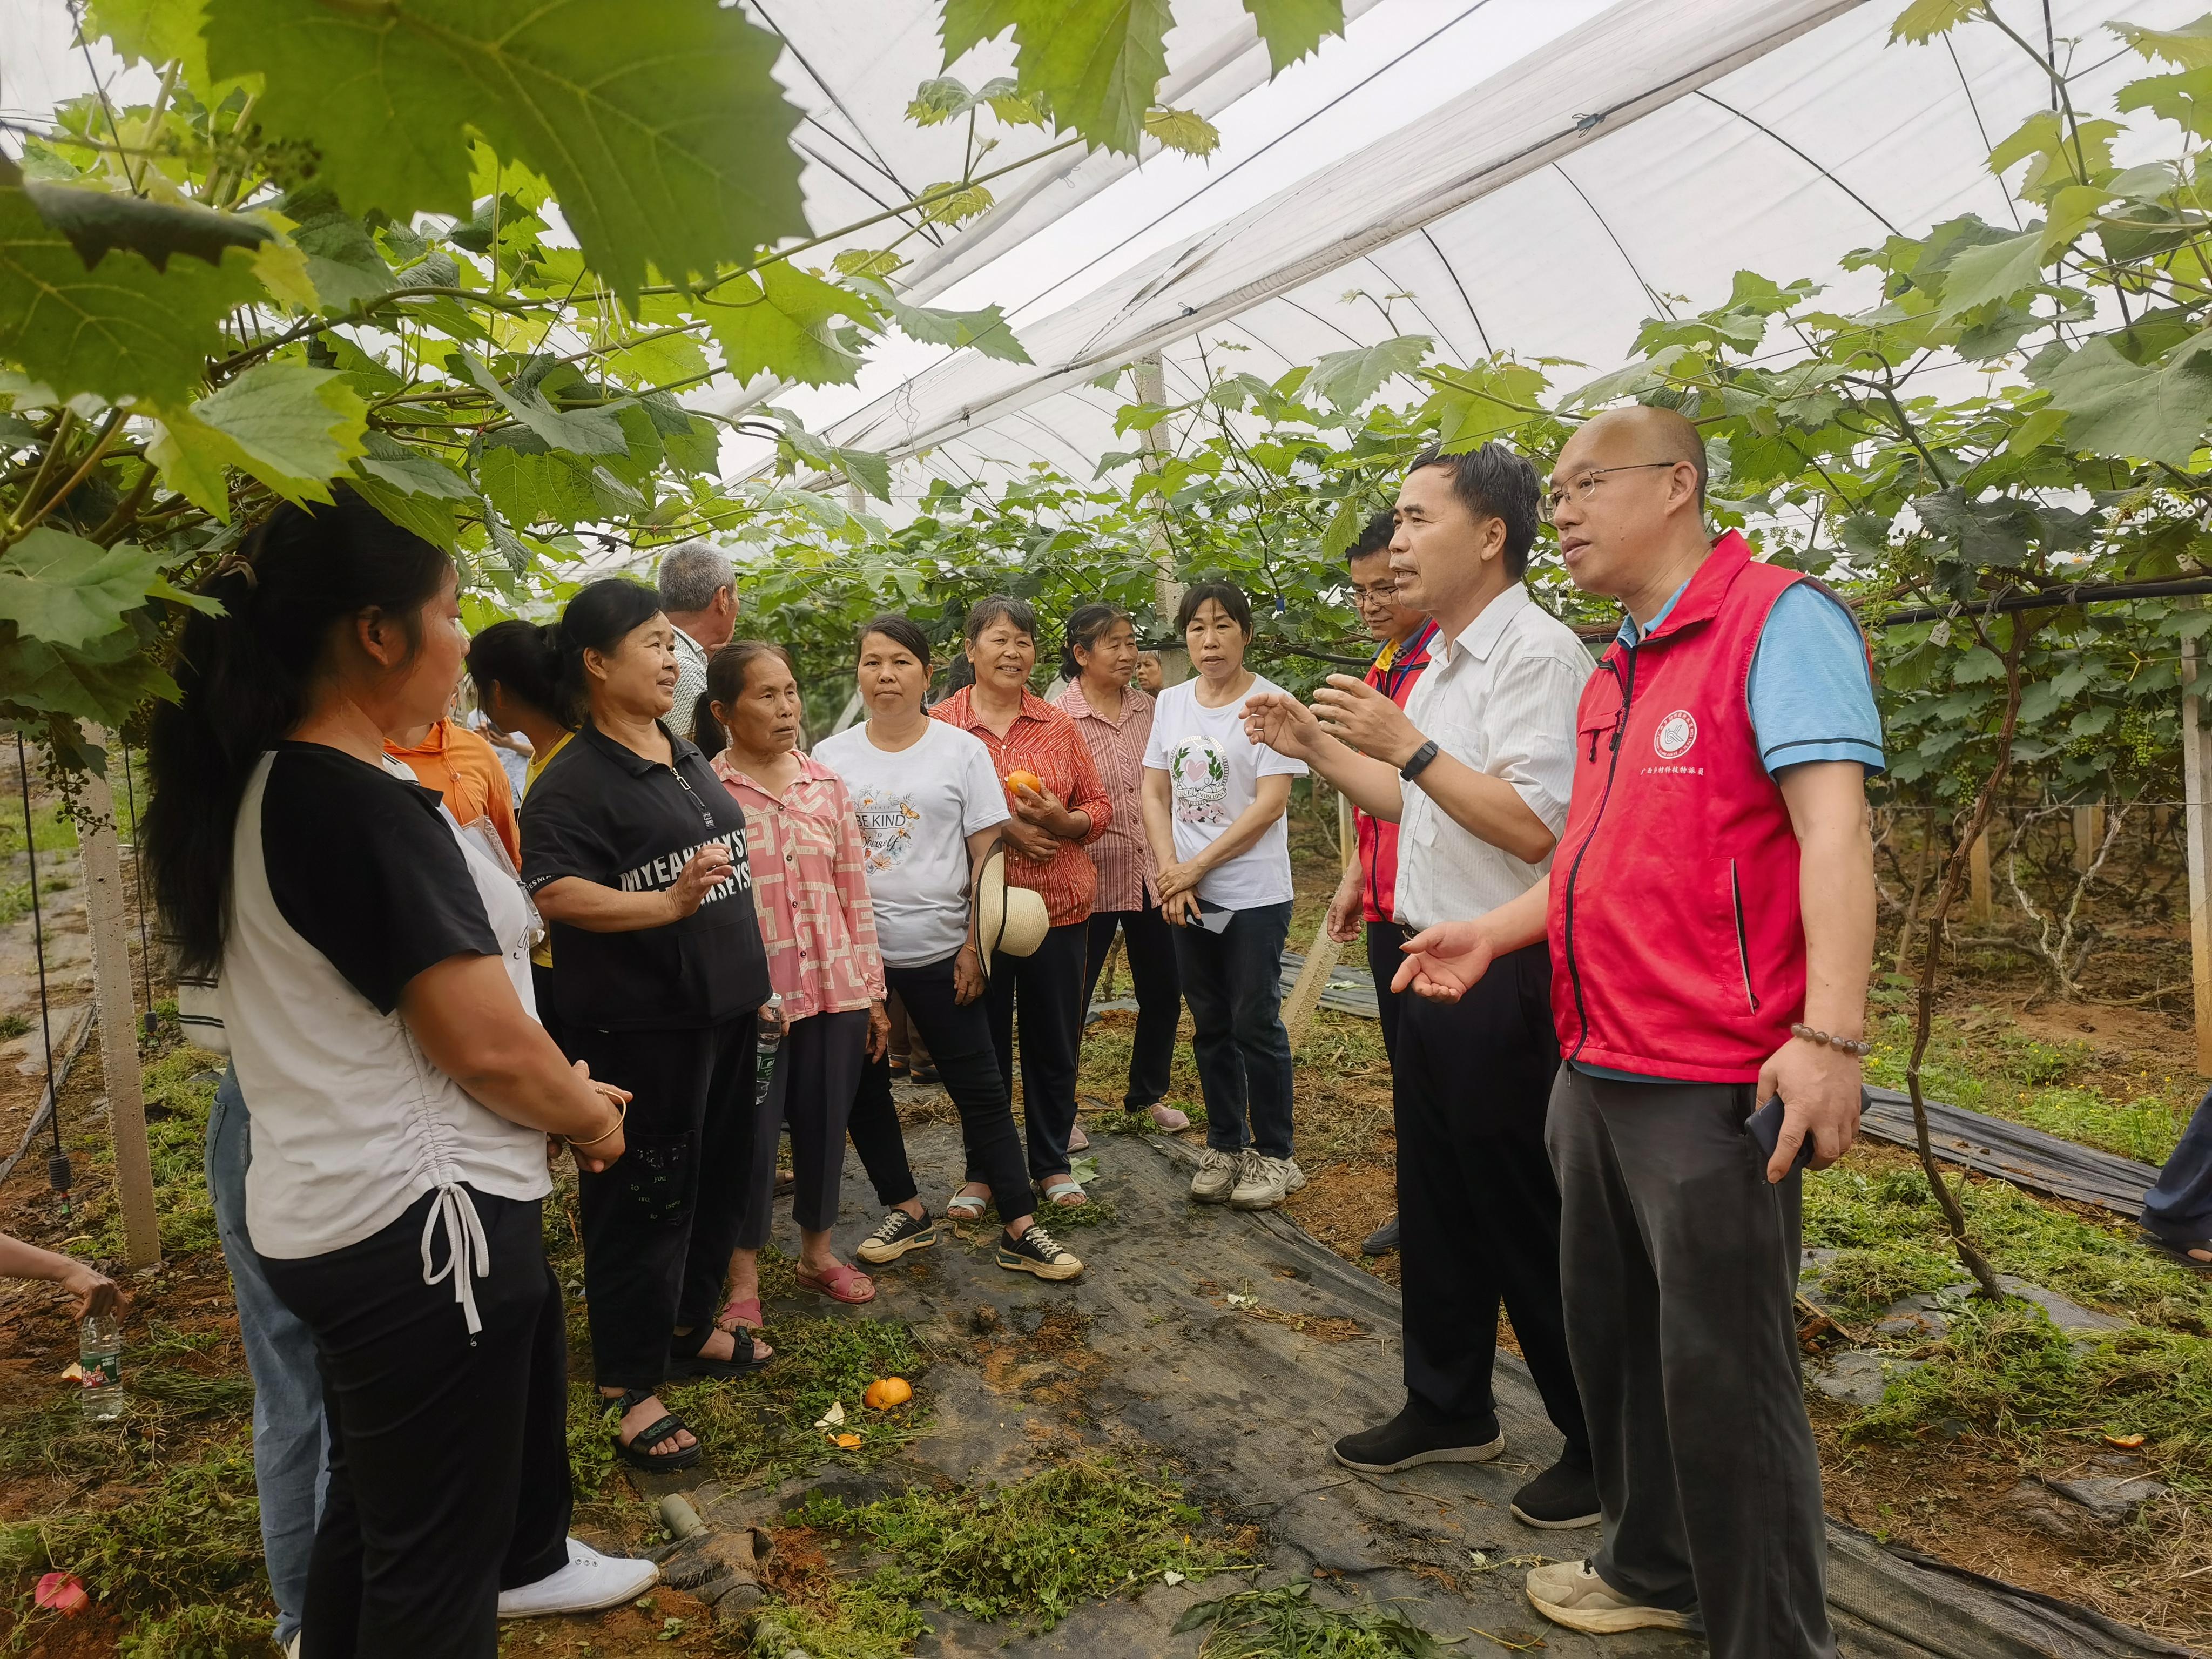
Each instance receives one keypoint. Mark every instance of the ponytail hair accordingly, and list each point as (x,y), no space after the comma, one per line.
(1084,626)
(725,683)
(523,659)
(598,618)
(244,678)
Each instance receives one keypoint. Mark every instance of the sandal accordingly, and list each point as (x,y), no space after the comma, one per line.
(2178,1248)
(744,1358)
(840,1283)
(1077,1140)
(638,1451)
(965,1207)
(735,1315)
(1058,1186)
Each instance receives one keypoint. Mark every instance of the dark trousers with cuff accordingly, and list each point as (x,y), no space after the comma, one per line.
(448,1457)
(1477,1204)
(817,1073)
(1679,1264)
(1045,988)
(659,1226)
(1233,980)
(1149,944)
(959,1039)
(1383,960)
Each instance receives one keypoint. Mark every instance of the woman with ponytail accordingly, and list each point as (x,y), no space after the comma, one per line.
(376,1000)
(636,856)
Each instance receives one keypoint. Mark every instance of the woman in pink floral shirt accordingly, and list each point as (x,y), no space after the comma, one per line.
(811,893)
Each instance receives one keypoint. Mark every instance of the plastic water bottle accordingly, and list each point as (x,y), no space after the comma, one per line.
(769,1025)
(100,1357)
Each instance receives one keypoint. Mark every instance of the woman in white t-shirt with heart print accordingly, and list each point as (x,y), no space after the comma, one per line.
(1215,805)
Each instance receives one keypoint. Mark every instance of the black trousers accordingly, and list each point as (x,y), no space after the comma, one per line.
(817,1073)
(1383,960)
(1149,943)
(541,985)
(959,1040)
(448,1459)
(1680,1271)
(1477,1203)
(1046,989)
(659,1225)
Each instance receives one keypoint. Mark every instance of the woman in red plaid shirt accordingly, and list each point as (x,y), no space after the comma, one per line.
(1060,807)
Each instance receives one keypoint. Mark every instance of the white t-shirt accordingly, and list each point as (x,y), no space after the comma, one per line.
(917,807)
(1214,771)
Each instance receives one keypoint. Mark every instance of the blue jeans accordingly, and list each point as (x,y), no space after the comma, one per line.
(1233,981)
(291,1448)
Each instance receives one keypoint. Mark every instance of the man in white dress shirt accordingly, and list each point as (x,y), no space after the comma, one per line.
(1475,771)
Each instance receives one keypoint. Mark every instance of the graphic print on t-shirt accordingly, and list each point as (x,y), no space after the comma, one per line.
(888,822)
(1199,771)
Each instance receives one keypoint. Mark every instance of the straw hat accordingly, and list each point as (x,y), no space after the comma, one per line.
(1007,918)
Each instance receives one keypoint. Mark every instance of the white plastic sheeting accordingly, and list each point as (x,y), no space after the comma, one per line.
(1630,168)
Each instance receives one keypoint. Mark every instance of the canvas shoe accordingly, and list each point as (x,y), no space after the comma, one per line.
(1406,1441)
(1266,1181)
(1037,1252)
(1217,1172)
(897,1233)
(1561,1498)
(1383,1240)
(1570,1593)
(590,1581)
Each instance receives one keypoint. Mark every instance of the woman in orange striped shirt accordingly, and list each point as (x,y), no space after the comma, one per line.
(1060,807)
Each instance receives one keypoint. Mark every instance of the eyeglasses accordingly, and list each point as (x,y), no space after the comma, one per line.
(1380,593)
(1583,485)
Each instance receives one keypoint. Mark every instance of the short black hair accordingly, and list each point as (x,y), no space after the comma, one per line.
(898,630)
(1228,595)
(1375,536)
(1493,481)
(989,610)
(600,618)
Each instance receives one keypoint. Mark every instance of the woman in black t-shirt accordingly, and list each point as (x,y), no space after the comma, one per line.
(636,856)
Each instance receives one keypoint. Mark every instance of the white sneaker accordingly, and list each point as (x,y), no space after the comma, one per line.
(590,1581)
(1217,1172)
(1265,1181)
(1570,1593)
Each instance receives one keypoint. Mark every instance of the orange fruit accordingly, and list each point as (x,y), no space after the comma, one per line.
(887,1393)
(1025,781)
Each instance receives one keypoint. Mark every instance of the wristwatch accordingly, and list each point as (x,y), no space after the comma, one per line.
(1414,768)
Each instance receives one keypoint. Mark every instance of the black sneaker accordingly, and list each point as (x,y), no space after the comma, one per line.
(1406,1440)
(1036,1252)
(1383,1240)
(1561,1498)
(898,1233)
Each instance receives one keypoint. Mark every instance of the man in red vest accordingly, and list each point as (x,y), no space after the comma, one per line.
(1710,912)
(1369,891)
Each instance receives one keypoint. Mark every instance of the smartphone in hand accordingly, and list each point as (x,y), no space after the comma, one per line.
(1765,1127)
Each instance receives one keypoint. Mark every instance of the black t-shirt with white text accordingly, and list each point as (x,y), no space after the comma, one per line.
(606,814)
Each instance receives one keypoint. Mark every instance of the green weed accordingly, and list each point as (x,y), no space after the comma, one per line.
(1284,1624)
(208,1631)
(872,1618)
(176,1139)
(1033,1549)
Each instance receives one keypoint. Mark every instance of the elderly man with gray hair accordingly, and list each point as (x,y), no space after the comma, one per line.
(698,593)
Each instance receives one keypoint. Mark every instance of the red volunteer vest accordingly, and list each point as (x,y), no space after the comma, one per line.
(1678,950)
(1377,838)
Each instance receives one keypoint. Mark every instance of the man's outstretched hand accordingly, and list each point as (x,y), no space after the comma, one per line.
(1444,964)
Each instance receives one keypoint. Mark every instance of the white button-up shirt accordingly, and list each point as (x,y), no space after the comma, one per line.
(1500,698)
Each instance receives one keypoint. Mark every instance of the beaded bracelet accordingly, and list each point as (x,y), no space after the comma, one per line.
(1841,1045)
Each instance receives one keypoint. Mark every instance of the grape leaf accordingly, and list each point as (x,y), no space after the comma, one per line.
(65,590)
(2137,411)
(1992,270)
(1923,19)
(1292,28)
(55,686)
(662,133)
(425,515)
(2187,47)
(410,470)
(586,431)
(1183,129)
(292,426)
(987,329)
(121,330)
(97,222)
(531,483)
(777,321)
(1093,63)
(1346,379)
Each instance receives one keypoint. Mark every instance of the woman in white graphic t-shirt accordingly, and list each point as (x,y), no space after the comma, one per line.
(1214,814)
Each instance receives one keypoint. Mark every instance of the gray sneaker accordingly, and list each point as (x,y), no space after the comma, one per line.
(1217,1172)
(1264,1181)
(1570,1593)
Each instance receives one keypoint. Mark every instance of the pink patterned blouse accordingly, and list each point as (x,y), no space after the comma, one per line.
(810,890)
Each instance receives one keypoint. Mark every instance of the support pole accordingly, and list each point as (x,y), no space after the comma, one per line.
(106,912)
(1978,904)
(2196,778)
(2088,836)
(1167,592)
